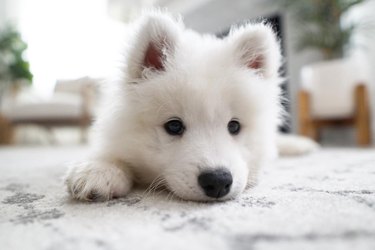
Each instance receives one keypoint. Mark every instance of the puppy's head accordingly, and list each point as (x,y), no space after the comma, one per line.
(201,111)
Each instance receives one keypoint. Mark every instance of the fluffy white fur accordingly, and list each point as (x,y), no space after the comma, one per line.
(174,72)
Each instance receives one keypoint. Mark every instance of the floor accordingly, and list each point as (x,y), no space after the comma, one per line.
(325,200)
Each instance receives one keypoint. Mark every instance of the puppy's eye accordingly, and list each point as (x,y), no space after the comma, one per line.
(234,127)
(174,127)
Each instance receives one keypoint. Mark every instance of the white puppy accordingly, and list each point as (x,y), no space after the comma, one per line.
(196,113)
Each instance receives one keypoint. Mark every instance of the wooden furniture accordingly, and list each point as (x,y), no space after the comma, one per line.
(334,93)
(309,126)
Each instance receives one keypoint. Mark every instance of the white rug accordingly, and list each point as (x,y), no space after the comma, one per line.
(322,201)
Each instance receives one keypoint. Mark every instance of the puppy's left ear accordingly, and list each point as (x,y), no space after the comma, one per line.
(256,47)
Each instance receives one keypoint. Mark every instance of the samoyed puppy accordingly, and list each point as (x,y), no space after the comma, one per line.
(193,112)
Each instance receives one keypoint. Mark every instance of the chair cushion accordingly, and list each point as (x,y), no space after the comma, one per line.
(61,106)
(331,87)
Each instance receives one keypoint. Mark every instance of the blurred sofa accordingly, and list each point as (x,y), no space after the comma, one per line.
(72,104)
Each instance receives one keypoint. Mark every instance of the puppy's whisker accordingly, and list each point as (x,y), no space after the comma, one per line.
(155,184)
(171,195)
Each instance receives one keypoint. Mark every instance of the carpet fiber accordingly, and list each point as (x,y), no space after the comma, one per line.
(322,201)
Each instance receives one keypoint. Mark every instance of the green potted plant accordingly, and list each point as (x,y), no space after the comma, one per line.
(14,68)
(320,25)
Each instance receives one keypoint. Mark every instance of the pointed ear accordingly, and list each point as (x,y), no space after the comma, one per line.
(256,47)
(153,45)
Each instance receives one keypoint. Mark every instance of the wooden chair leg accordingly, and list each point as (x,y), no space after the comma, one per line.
(306,123)
(362,116)
(314,131)
(6,131)
(303,113)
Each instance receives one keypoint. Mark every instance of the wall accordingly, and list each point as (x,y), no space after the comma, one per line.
(67,39)
(9,11)
(2,11)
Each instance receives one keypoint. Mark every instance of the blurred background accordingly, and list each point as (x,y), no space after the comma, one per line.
(54,53)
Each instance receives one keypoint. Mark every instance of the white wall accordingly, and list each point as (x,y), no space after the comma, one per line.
(2,11)
(67,39)
(8,11)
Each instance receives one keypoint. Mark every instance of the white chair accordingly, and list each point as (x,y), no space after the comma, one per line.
(72,104)
(334,93)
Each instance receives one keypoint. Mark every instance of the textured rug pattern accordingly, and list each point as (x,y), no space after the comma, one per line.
(322,201)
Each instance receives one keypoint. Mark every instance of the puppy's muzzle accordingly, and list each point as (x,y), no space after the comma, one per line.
(215,183)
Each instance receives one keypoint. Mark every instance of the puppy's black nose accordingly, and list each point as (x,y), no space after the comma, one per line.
(215,183)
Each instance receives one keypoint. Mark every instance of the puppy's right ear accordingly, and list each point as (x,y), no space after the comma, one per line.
(154,44)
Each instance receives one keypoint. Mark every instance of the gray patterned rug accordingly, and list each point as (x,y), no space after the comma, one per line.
(322,201)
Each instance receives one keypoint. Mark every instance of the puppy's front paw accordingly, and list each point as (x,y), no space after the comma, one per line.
(97,180)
